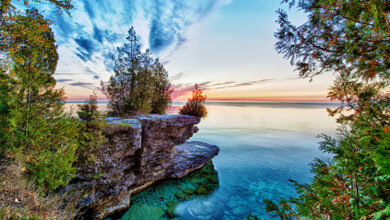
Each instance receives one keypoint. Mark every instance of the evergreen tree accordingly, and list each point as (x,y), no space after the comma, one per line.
(140,83)
(351,39)
(91,132)
(89,110)
(37,126)
(163,90)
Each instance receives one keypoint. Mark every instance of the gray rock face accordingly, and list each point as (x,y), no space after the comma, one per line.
(189,157)
(139,152)
(160,134)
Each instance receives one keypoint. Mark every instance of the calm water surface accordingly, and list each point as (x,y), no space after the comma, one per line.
(262,146)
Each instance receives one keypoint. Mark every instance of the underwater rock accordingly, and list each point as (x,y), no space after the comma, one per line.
(169,193)
(239,211)
(143,212)
(139,152)
(203,209)
(171,208)
(232,204)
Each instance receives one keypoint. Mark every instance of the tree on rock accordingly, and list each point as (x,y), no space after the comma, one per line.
(195,104)
(140,83)
(162,97)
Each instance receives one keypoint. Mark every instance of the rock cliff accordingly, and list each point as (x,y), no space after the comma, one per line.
(139,152)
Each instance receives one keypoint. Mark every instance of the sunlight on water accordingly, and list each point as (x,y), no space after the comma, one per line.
(262,146)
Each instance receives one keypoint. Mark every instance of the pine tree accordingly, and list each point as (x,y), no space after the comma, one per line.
(140,83)
(163,90)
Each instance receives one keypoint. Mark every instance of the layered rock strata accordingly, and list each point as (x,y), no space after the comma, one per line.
(139,152)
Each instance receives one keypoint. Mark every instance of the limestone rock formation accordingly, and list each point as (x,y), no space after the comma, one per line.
(160,135)
(139,152)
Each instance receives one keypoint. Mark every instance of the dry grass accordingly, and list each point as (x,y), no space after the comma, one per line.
(20,199)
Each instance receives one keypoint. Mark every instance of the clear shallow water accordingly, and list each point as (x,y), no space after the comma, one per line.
(262,146)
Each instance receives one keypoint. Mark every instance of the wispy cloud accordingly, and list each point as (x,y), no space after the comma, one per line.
(81,84)
(95,28)
(177,76)
(183,89)
(64,80)
(88,38)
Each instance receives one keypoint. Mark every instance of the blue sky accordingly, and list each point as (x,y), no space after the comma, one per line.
(226,46)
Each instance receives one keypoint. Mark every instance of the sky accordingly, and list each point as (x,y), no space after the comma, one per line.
(225,46)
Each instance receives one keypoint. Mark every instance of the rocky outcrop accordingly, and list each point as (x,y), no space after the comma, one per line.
(160,135)
(139,152)
(189,157)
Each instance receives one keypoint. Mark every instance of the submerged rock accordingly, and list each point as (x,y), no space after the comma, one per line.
(168,194)
(139,152)
(240,211)
(171,208)
(143,212)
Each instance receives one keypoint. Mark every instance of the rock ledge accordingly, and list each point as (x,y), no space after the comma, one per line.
(139,152)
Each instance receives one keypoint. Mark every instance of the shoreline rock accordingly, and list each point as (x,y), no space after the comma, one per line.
(139,152)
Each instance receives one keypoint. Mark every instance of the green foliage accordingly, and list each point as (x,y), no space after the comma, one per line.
(36,127)
(51,167)
(195,104)
(90,131)
(5,94)
(88,111)
(140,83)
(351,39)
(283,211)
(162,96)
(355,183)
(6,5)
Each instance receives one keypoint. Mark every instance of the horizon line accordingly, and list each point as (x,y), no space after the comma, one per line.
(319,99)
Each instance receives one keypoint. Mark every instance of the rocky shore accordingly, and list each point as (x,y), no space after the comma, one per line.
(139,152)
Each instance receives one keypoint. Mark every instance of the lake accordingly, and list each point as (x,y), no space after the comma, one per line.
(262,146)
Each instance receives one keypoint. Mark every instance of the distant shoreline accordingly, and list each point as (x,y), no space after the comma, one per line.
(178,104)
(224,102)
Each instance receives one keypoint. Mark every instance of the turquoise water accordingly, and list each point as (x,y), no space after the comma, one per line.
(262,146)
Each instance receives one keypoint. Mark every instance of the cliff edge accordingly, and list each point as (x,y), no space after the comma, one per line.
(139,152)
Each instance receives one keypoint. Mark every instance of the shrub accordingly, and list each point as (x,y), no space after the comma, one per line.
(90,131)
(51,153)
(88,111)
(89,114)
(195,104)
